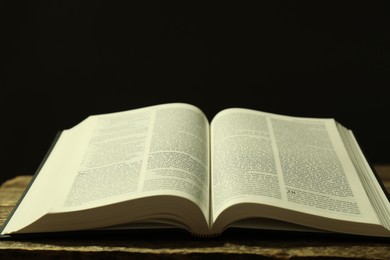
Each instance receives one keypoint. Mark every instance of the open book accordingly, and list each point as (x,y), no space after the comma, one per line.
(167,166)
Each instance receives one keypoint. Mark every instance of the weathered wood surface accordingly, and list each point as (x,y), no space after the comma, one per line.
(236,244)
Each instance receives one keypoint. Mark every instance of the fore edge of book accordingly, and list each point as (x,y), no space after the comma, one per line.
(46,156)
(371,165)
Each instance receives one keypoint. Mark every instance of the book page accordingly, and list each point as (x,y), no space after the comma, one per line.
(112,158)
(155,151)
(178,155)
(288,162)
(109,158)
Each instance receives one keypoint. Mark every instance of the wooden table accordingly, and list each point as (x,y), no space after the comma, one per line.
(234,244)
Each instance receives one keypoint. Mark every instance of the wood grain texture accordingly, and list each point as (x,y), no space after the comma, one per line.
(178,244)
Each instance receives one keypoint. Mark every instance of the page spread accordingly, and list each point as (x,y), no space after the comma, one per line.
(167,165)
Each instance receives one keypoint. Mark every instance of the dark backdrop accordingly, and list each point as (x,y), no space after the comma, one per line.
(65,60)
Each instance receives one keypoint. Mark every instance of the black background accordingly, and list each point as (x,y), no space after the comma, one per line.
(65,60)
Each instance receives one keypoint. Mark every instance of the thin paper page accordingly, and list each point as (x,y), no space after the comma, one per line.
(295,163)
(159,150)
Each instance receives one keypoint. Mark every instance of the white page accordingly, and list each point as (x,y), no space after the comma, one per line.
(105,159)
(275,160)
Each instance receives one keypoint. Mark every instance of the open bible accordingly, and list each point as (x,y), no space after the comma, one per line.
(166,166)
